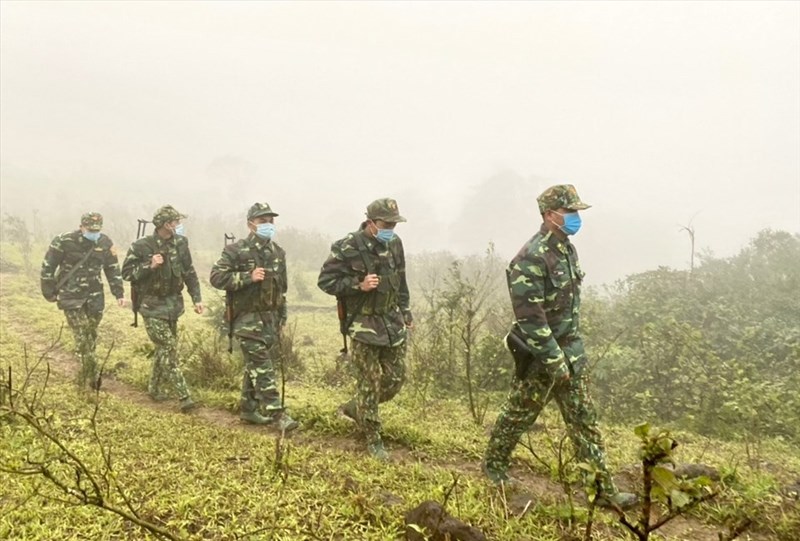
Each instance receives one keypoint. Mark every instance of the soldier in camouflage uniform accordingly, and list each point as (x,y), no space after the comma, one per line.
(254,270)
(544,281)
(71,277)
(158,266)
(367,271)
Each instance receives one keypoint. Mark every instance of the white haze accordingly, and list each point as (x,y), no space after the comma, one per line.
(661,114)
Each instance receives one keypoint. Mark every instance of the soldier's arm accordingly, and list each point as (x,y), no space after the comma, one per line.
(336,276)
(52,259)
(190,277)
(284,310)
(404,297)
(112,272)
(526,281)
(224,274)
(137,263)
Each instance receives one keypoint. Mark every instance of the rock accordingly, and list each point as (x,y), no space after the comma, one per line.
(388,499)
(792,491)
(118,367)
(693,471)
(520,503)
(438,525)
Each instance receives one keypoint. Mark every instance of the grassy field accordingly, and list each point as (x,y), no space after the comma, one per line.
(206,476)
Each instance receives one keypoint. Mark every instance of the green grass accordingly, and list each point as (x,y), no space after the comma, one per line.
(204,480)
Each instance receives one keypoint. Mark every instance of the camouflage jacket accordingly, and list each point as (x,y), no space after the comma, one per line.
(84,286)
(378,317)
(232,272)
(544,281)
(159,291)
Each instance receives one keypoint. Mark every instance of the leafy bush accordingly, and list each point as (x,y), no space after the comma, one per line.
(716,350)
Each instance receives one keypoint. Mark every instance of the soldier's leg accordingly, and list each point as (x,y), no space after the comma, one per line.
(580,416)
(393,371)
(79,323)
(93,320)
(366,362)
(164,335)
(525,401)
(259,391)
(154,386)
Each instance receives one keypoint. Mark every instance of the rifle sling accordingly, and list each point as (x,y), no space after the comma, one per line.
(66,278)
(362,250)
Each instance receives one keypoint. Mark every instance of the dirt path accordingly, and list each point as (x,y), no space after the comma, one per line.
(537,488)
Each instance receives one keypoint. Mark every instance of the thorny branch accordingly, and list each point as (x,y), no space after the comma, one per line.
(85,485)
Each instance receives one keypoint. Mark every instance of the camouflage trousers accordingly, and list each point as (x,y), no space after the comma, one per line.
(165,371)
(259,342)
(527,399)
(380,373)
(83,324)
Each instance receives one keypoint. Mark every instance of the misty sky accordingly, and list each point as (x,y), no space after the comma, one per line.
(659,113)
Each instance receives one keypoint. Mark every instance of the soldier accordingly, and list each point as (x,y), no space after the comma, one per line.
(71,277)
(366,270)
(254,269)
(158,266)
(544,281)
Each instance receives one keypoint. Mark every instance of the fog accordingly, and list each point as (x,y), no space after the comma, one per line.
(662,115)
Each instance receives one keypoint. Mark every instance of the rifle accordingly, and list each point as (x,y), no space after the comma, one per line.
(341,311)
(230,238)
(136,302)
(521,352)
(345,321)
(341,306)
(524,358)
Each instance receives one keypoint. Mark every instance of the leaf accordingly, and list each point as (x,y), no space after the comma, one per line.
(679,498)
(664,477)
(642,430)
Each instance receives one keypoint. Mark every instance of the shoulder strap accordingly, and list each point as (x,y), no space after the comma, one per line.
(72,271)
(362,250)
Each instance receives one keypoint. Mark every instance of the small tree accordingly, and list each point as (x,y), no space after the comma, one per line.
(16,231)
(69,474)
(661,487)
(459,347)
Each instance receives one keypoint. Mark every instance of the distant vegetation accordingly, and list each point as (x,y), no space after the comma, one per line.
(716,351)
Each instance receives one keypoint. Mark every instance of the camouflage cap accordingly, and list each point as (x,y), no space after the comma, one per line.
(560,196)
(165,214)
(384,209)
(93,221)
(260,209)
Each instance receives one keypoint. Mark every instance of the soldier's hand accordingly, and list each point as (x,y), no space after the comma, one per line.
(258,274)
(156,261)
(564,377)
(369,282)
(121,302)
(198,308)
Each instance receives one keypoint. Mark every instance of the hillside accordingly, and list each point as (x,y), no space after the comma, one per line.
(207,476)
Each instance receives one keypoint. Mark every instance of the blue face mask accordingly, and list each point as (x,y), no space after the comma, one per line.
(265,231)
(179,230)
(93,236)
(572,223)
(384,235)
